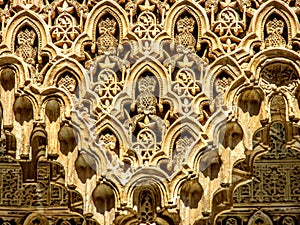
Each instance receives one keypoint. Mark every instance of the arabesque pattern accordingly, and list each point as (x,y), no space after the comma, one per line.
(149,112)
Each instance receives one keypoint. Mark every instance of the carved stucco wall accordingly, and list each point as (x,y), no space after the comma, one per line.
(149,112)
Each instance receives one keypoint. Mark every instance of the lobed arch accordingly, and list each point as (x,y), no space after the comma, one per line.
(101,9)
(269,8)
(26,18)
(193,9)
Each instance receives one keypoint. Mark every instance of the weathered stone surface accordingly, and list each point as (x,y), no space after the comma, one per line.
(149,112)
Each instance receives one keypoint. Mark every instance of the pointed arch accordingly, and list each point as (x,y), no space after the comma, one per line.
(274,7)
(226,65)
(151,66)
(191,8)
(260,216)
(113,124)
(187,124)
(72,67)
(148,176)
(101,9)
(31,19)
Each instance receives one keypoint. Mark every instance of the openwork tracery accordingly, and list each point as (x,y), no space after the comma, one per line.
(149,112)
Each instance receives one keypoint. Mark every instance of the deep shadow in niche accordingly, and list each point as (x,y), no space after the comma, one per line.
(26,44)
(8,79)
(194,32)
(38,145)
(210,164)
(85,167)
(67,139)
(284,33)
(231,135)
(110,139)
(104,198)
(23,110)
(52,110)
(250,101)
(191,193)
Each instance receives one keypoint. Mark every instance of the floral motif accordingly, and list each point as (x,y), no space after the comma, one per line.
(185,29)
(275,30)
(107,41)
(26,42)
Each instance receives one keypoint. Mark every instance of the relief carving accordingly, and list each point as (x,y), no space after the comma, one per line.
(149,112)
(26,48)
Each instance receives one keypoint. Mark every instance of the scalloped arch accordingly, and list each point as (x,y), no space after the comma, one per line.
(269,56)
